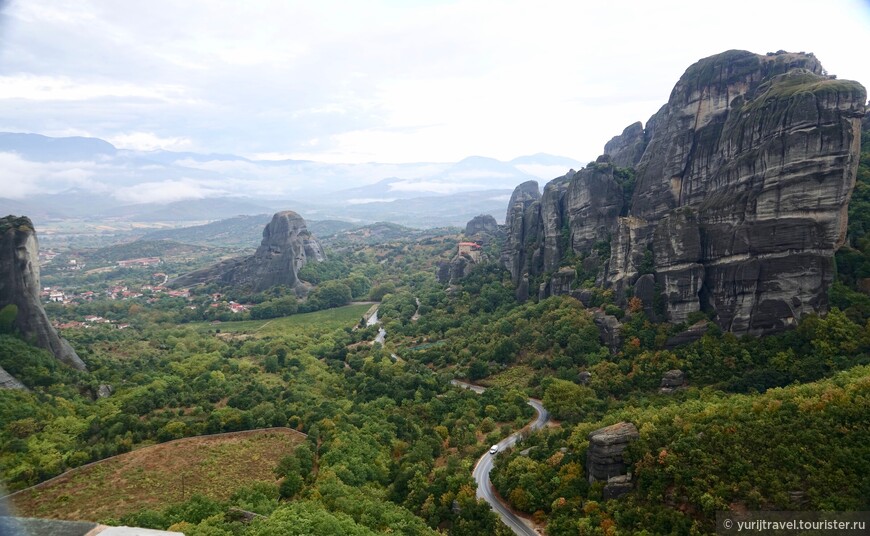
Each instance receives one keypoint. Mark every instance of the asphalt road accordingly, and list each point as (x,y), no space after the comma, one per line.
(485,490)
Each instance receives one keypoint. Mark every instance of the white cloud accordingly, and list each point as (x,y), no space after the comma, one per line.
(62,88)
(20,178)
(148,141)
(341,81)
(166,192)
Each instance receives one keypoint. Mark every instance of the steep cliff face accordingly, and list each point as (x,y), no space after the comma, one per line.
(521,225)
(287,246)
(19,286)
(739,197)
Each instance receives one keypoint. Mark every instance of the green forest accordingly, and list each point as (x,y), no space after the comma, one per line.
(780,422)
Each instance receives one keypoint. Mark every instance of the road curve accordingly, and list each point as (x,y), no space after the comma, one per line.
(481,471)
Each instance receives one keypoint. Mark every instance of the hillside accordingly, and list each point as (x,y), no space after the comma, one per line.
(157,476)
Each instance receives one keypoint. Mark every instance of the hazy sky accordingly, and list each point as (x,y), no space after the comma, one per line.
(388,81)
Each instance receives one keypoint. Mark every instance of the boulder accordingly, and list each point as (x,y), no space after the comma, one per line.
(690,335)
(609,329)
(672,380)
(604,455)
(616,487)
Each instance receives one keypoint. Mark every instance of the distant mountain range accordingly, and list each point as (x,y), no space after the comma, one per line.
(77,177)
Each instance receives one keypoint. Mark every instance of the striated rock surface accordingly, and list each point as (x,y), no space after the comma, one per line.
(737,202)
(616,487)
(20,286)
(287,246)
(521,227)
(604,456)
(742,191)
(593,204)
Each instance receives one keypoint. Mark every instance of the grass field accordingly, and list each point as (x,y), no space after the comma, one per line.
(329,319)
(160,475)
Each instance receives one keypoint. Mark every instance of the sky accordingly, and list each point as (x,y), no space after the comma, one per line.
(382,81)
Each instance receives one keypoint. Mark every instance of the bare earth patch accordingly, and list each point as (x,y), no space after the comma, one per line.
(160,475)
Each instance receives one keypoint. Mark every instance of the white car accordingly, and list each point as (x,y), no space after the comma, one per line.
(493,449)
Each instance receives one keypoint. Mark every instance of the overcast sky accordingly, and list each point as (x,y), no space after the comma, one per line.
(386,81)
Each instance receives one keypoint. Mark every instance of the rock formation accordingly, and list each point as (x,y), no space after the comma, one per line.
(627,149)
(484,224)
(604,456)
(8,381)
(522,213)
(20,287)
(287,246)
(731,201)
(672,380)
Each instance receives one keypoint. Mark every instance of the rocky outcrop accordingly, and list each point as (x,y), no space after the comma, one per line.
(742,191)
(616,487)
(521,226)
(20,287)
(694,333)
(604,456)
(609,330)
(452,272)
(672,380)
(560,284)
(735,206)
(8,381)
(577,212)
(484,224)
(627,149)
(286,247)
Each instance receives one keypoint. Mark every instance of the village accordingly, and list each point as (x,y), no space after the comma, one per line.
(150,293)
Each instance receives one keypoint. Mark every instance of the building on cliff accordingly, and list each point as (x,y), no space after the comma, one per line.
(731,200)
(471,249)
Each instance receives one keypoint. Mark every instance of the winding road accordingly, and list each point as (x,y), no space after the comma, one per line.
(481,471)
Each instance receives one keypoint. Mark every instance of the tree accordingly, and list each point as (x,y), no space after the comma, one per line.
(8,314)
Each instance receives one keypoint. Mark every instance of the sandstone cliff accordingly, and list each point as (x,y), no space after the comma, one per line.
(19,286)
(732,200)
(286,247)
